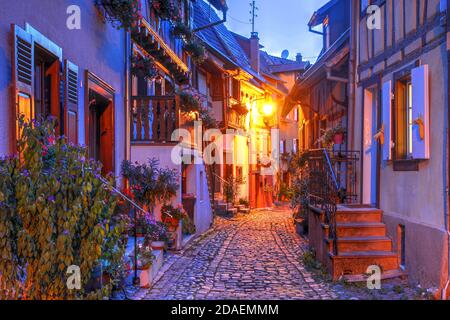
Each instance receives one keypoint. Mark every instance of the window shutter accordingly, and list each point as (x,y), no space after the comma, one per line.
(23,71)
(387,120)
(421,113)
(71,98)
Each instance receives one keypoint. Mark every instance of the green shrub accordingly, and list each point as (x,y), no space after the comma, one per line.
(55,212)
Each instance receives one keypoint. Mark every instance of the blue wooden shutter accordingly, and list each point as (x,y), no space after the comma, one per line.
(421,112)
(387,120)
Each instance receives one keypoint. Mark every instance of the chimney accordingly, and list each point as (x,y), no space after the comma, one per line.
(254,52)
(299,57)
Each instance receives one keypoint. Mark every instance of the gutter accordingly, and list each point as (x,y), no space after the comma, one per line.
(333,78)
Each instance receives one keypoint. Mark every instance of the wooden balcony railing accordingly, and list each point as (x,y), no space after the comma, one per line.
(153,119)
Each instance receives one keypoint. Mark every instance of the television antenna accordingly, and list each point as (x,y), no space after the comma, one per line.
(253,11)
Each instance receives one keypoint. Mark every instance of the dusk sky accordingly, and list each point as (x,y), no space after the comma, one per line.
(281,24)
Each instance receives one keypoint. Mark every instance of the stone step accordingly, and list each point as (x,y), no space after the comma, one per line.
(359,215)
(244,210)
(362,244)
(390,274)
(361,229)
(357,262)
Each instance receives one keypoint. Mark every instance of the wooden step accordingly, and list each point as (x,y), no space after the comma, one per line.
(357,262)
(359,215)
(349,244)
(361,229)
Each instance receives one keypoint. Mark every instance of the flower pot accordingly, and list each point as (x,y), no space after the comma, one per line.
(338,138)
(158,245)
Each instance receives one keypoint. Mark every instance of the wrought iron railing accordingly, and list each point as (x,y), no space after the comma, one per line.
(153,119)
(332,181)
(324,189)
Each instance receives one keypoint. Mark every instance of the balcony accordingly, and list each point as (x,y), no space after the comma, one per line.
(153,119)
(156,39)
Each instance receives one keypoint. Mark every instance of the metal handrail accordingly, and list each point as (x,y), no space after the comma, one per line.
(327,194)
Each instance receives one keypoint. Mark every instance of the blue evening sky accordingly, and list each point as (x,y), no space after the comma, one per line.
(281,24)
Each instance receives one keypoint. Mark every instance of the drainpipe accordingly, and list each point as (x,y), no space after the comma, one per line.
(354,13)
(447,160)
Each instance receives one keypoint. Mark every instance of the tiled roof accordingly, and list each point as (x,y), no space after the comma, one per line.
(273,64)
(218,37)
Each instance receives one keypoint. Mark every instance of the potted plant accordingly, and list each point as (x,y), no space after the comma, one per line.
(333,136)
(156,235)
(145,257)
(172,216)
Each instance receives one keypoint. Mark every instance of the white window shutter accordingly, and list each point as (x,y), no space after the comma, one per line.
(421,113)
(387,120)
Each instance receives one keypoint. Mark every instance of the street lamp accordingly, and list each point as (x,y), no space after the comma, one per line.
(268,109)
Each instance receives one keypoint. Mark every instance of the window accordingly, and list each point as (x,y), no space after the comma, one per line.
(296,114)
(404,121)
(282,146)
(40,91)
(406,124)
(295,146)
(235,89)
(401,234)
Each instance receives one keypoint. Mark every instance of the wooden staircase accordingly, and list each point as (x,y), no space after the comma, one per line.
(362,241)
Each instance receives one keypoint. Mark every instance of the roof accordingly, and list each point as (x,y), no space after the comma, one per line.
(329,54)
(273,64)
(321,13)
(337,51)
(218,37)
(219,4)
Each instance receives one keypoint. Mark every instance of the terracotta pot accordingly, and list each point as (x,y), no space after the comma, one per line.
(158,245)
(338,138)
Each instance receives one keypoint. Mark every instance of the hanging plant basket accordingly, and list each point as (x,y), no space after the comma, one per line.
(196,50)
(166,9)
(182,31)
(143,67)
(124,14)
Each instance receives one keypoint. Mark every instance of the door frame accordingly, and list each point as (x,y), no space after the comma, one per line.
(95,83)
(377,86)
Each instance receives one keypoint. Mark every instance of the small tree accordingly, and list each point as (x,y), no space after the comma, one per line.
(55,212)
(150,184)
(231,188)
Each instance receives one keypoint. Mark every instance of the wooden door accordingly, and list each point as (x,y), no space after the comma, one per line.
(106,133)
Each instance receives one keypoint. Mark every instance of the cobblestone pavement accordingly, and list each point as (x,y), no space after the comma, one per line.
(249,257)
(255,257)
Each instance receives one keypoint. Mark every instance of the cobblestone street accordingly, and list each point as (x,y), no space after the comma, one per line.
(249,257)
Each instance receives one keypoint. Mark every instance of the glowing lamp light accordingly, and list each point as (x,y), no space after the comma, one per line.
(268,109)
